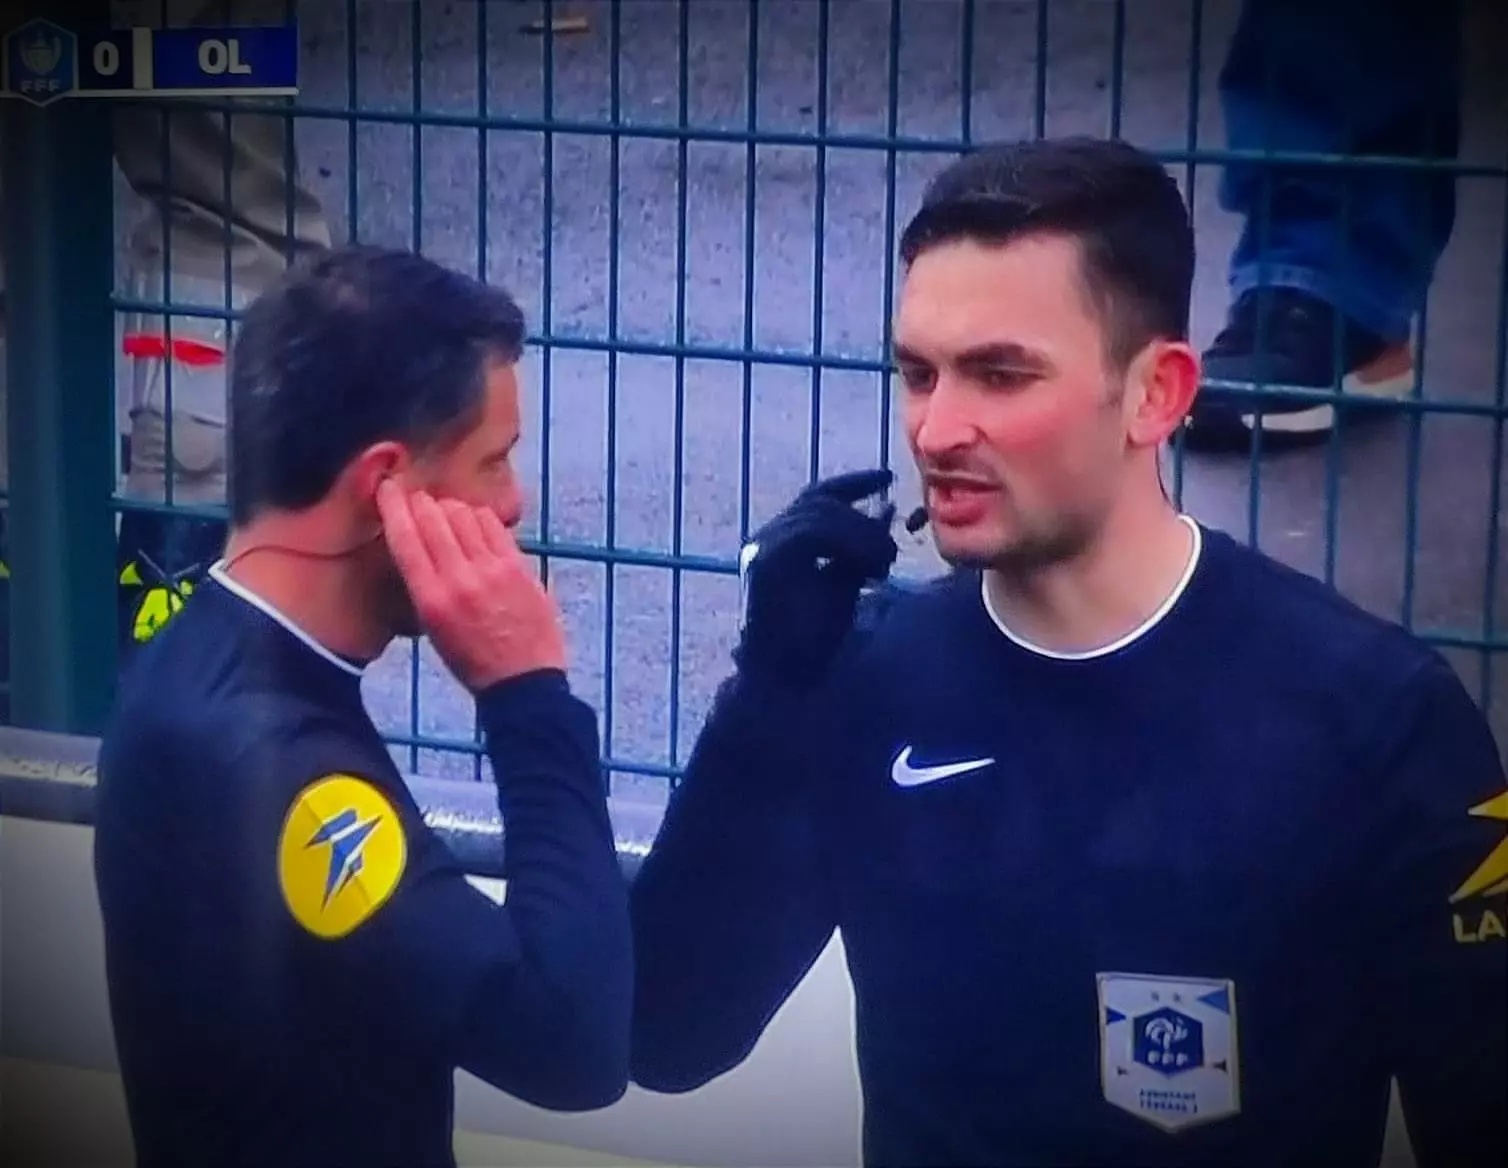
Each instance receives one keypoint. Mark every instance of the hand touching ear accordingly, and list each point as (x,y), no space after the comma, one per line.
(477,597)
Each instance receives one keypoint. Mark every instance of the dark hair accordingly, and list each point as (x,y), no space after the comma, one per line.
(365,344)
(1118,202)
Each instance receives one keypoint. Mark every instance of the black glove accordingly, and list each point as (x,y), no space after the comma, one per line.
(802,575)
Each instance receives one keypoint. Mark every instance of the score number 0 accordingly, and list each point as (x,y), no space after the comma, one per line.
(106,58)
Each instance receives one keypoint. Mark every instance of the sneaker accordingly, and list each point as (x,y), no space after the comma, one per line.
(1288,337)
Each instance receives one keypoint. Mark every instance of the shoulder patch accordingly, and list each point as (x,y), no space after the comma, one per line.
(1491,875)
(340,855)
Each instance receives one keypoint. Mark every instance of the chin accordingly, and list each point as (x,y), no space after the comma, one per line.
(970,548)
(1027,555)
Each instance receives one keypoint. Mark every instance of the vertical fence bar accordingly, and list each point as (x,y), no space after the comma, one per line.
(1415,440)
(1337,382)
(1039,96)
(416,104)
(678,487)
(819,237)
(614,293)
(1261,390)
(1337,375)
(290,168)
(1118,69)
(892,125)
(353,205)
(1495,471)
(481,271)
(1190,172)
(164,211)
(59,251)
(751,191)
(416,235)
(547,286)
(965,74)
(1414,464)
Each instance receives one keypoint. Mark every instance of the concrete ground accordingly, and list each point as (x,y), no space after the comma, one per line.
(649,647)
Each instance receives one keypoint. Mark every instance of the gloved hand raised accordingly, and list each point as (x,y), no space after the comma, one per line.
(802,574)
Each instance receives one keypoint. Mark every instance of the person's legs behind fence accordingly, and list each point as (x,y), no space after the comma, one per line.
(1328,252)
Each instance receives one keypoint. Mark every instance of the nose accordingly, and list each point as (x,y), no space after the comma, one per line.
(509,506)
(943,421)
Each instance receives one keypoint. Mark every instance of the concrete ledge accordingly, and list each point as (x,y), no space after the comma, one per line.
(63,1115)
(51,777)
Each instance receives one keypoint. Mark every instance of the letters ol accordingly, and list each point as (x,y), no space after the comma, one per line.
(220,57)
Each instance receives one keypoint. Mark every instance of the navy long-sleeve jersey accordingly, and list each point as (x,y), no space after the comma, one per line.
(1190,902)
(296,966)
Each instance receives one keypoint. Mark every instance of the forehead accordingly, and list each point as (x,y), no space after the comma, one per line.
(502,394)
(1029,292)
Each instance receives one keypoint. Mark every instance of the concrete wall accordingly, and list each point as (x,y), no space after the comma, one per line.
(795,1102)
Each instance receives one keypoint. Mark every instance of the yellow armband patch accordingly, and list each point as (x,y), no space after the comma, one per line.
(341,854)
(1478,922)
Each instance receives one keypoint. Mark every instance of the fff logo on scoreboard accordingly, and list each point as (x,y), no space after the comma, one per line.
(41,62)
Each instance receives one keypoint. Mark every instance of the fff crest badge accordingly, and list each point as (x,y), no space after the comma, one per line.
(1168,1051)
(41,62)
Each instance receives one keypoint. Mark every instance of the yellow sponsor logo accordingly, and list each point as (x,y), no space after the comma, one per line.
(1475,925)
(341,854)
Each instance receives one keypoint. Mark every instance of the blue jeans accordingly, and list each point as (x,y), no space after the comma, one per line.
(1344,77)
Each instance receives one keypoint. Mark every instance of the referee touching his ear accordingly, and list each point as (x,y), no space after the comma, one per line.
(296,965)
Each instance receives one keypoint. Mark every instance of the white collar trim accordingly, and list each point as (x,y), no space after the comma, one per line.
(218,573)
(1119,643)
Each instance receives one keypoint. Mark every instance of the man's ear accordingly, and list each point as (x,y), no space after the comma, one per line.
(1162,381)
(374,465)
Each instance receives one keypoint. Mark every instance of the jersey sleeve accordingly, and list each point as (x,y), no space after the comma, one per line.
(731,906)
(1440,910)
(531,995)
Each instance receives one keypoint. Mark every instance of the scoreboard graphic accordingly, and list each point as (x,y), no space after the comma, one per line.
(45,62)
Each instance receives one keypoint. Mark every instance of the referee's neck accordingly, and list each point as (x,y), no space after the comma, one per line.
(1126,573)
(323,585)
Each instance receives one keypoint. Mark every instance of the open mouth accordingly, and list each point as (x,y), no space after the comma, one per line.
(956,501)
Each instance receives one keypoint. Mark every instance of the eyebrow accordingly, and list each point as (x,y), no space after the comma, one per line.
(994,353)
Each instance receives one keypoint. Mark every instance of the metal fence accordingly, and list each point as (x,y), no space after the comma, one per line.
(698,204)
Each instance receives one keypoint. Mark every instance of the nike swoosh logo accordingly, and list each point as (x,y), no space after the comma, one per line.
(903,774)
